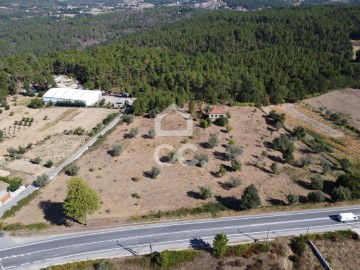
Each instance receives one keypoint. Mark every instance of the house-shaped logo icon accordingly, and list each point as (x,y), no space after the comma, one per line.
(174,133)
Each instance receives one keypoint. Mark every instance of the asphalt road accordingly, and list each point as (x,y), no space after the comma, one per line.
(51,174)
(33,253)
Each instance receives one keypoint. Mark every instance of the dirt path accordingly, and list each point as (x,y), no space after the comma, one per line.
(290,108)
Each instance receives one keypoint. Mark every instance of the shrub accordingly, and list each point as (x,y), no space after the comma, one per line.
(116,150)
(202,159)
(233,151)
(236,165)
(250,199)
(213,140)
(292,198)
(79,131)
(128,118)
(326,167)
(36,160)
(345,164)
(205,193)
(49,163)
(229,128)
(222,121)
(155,171)
(220,245)
(341,194)
(36,103)
(21,150)
(151,133)
(14,184)
(278,119)
(274,168)
(12,151)
(317,182)
(41,181)
(316,196)
(173,157)
(304,161)
(72,169)
(205,123)
(133,132)
(222,171)
(299,133)
(7,107)
(235,181)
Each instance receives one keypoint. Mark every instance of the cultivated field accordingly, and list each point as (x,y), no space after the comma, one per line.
(346,102)
(178,186)
(45,133)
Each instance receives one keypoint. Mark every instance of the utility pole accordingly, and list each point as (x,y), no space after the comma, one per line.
(267,237)
(307,230)
(150,248)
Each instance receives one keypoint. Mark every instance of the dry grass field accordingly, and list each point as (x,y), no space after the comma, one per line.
(178,186)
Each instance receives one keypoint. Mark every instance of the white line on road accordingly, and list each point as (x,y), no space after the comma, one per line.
(187,223)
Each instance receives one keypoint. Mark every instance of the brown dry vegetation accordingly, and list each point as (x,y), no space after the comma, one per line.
(177,186)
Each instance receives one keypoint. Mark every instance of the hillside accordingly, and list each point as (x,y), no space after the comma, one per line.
(263,57)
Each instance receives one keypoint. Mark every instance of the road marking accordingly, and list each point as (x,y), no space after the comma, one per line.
(180,232)
(179,240)
(240,218)
(161,234)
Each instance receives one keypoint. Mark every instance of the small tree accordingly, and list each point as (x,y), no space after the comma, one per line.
(116,150)
(133,132)
(317,182)
(293,198)
(41,181)
(49,163)
(213,140)
(345,164)
(72,169)
(236,165)
(235,181)
(250,199)
(151,133)
(205,193)
(220,245)
(202,159)
(81,200)
(316,196)
(341,194)
(155,171)
(274,168)
(173,157)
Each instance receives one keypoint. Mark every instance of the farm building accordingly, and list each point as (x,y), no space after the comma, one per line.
(216,113)
(88,97)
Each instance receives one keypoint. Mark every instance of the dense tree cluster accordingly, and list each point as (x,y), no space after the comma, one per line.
(265,56)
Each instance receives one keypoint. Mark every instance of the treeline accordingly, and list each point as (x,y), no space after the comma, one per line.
(40,35)
(263,57)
